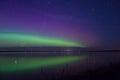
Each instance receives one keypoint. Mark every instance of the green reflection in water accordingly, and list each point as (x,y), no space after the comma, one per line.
(19,64)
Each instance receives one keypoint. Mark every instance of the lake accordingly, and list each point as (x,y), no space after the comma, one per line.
(48,65)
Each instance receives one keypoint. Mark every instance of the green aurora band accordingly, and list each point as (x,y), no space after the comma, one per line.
(21,64)
(21,40)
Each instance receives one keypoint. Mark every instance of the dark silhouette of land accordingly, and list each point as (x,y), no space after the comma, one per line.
(53,49)
(32,50)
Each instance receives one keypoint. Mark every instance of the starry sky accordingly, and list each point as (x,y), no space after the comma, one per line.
(93,22)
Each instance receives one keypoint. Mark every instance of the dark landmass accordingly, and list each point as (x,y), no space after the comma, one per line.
(57,51)
(102,51)
(54,49)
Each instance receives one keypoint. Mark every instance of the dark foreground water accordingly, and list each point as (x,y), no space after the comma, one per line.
(49,65)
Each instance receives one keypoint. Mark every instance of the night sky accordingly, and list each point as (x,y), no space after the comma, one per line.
(93,22)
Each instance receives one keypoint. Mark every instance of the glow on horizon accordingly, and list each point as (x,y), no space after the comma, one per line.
(22,40)
(21,64)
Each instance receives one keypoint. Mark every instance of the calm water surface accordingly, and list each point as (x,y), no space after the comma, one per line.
(21,66)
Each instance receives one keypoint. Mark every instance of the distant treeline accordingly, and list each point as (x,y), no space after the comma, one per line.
(59,51)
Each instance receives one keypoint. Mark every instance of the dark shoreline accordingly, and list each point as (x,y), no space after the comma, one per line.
(59,51)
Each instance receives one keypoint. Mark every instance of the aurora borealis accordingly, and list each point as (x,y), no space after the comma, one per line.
(71,25)
(22,40)
(21,64)
(78,21)
(21,18)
